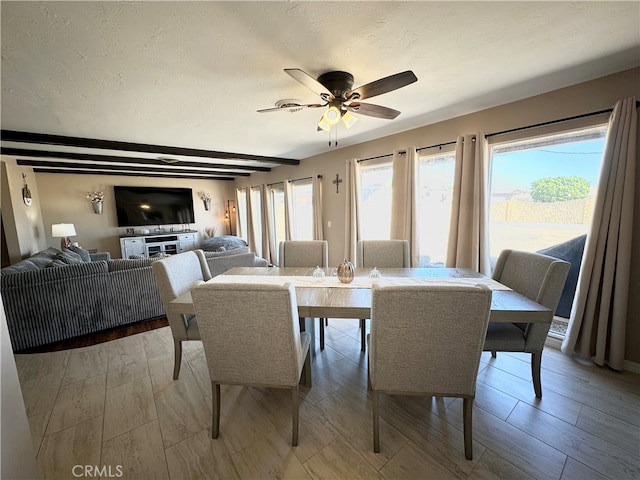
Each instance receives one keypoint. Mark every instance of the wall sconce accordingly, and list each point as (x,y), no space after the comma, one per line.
(206,200)
(64,231)
(96,201)
(229,214)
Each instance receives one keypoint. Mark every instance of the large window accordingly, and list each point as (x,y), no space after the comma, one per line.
(241,195)
(256,218)
(302,210)
(543,192)
(278,213)
(435,188)
(375,201)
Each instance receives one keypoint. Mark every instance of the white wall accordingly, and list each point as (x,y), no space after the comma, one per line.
(23,224)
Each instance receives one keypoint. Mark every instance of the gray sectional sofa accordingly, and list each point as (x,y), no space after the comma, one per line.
(55,296)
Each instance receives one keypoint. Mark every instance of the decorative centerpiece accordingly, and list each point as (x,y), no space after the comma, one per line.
(96,200)
(346,272)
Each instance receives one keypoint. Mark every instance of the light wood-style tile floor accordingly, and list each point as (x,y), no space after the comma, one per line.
(115,406)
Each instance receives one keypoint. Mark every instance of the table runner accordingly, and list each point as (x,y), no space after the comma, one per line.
(358,282)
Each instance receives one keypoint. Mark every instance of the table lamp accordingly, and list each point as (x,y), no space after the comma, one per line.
(63,230)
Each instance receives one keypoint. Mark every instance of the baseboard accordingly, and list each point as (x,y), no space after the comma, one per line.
(627,366)
(553,342)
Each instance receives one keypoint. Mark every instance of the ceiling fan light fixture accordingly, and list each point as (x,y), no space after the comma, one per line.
(323,125)
(349,119)
(331,115)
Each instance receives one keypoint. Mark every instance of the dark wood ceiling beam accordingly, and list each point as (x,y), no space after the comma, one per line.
(46,139)
(130,174)
(129,168)
(24,152)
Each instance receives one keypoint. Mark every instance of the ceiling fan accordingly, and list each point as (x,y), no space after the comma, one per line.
(335,90)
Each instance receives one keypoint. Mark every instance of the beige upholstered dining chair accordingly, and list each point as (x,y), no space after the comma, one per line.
(540,278)
(241,351)
(380,254)
(176,275)
(305,253)
(427,340)
(383,254)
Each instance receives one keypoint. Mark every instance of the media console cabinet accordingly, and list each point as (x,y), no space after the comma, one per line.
(158,243)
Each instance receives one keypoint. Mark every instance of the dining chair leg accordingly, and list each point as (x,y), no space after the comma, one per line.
(307,369)
(321,333)
(215,401)
(177,352)
(294,415)
(376,422)
(536,361)
(493,354)
(467,417)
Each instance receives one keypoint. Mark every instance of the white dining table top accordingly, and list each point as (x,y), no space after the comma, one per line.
(329,298)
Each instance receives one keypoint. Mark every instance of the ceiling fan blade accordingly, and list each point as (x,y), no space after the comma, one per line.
(383,85)
(373,110)
(291,107)
(310,82)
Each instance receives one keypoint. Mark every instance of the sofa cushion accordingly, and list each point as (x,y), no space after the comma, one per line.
(57,262)
(37,261)
(84,255)
(225,253)
(126,264)
(225,242)
(58,275)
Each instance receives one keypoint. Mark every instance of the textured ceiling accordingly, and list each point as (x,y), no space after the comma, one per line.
(193,74)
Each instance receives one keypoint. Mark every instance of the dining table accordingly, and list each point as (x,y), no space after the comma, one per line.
(327,297)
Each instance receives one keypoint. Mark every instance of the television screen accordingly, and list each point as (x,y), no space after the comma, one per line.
(137,206)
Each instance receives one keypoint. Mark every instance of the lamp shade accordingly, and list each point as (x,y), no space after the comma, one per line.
(63,230)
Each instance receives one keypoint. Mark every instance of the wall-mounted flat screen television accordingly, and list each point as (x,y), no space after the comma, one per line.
(136,206)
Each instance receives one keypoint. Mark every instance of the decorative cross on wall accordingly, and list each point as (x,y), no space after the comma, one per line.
(337,182)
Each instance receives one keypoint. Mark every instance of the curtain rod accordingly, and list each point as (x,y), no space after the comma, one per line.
(437,145)
(304,178)
(294,180)
(551,122)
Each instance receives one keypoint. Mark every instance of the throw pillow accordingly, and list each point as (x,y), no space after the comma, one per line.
(69,257)
(84,255)
(57,263)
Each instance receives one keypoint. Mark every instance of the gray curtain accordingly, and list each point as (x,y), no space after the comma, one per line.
(318,230)
(268,242)
(352,209)
(597,326)
(468,232)
(288,207)
(404,201)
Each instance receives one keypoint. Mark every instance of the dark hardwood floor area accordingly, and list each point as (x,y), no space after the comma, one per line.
(100,337)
